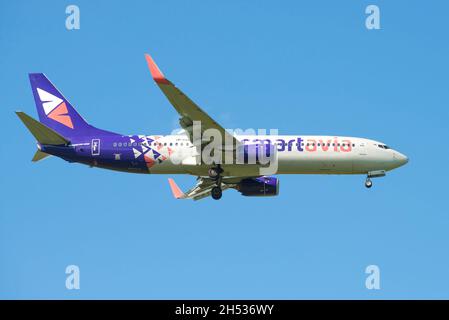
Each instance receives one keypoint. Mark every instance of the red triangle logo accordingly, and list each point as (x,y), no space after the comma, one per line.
(60,115)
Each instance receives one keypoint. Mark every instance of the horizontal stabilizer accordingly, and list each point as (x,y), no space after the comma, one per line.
(41,132)
(39,155)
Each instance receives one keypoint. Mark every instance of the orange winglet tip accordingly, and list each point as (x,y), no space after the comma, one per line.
(177,193)
(157,75)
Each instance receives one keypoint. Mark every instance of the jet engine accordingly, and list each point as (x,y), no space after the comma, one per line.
(259,187)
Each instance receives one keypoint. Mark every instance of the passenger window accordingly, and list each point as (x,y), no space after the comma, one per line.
(119,144)
(114,144)
(135,144)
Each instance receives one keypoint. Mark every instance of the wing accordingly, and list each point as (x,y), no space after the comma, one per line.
(202,188)
(186,108)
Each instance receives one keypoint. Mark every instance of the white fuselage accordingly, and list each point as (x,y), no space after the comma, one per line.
(295,155)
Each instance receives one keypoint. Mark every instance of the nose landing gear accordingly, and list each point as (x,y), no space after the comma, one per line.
(368,183)
(373,174)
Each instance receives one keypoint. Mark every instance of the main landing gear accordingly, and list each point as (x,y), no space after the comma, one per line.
(215,174)
(216,193)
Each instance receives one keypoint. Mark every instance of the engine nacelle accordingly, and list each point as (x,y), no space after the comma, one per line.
(259,187)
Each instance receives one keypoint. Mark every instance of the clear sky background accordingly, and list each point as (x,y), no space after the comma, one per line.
(303,67)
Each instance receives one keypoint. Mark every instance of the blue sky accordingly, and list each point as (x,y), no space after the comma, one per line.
(308,67)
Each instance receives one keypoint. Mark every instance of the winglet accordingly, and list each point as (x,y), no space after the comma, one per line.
(157,75)
(177,193)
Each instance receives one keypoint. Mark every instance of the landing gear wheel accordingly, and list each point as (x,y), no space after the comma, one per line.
(368,183)
(216,193)
(213,173)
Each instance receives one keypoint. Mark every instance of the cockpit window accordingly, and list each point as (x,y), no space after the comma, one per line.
(383,146)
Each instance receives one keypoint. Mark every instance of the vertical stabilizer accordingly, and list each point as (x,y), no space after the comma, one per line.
(54,110)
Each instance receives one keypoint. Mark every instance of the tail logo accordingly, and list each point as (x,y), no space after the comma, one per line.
(55,108)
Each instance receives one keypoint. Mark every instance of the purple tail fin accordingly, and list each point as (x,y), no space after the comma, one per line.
(54,110)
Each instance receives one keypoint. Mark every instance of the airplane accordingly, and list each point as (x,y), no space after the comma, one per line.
(62,132)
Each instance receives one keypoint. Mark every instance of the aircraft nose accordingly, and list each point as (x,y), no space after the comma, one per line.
(400,158)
